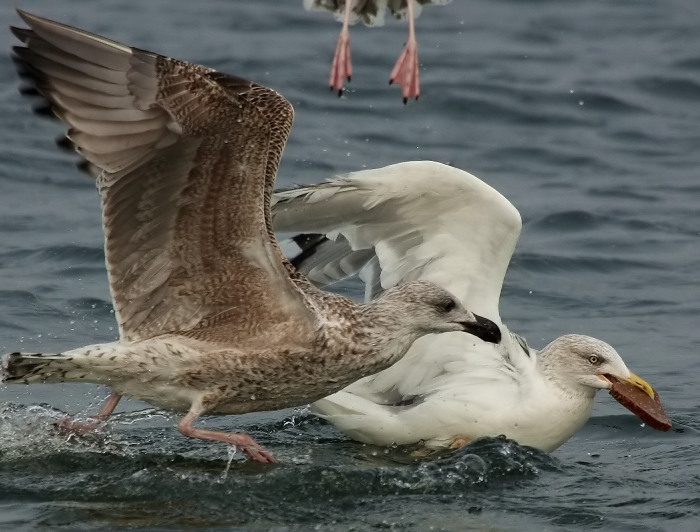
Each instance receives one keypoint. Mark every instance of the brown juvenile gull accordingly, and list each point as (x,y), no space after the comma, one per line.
(212,319)
(371,12)
(425,220)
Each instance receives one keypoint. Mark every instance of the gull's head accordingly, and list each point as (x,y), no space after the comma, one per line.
(426,308)
(588,364)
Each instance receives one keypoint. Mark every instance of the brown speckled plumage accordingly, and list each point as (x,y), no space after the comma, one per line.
(212,318)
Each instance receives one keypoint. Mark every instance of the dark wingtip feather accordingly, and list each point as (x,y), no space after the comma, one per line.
(29,91)
(308,244)
(12,367)
(23,34)
(65,143)
(44,110)
(88,168)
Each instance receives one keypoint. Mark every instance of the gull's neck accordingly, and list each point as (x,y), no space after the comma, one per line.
(387,333)
(373,338)
(549,365)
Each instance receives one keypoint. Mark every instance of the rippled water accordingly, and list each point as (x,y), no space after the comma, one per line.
(585,115)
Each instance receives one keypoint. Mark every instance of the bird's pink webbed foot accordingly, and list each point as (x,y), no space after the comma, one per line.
(70,426)
(341,69)
(405,72)
(251,449)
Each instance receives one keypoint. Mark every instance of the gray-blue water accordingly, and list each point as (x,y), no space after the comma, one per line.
(585,114)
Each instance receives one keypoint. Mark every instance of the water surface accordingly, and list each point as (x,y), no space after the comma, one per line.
(585,115)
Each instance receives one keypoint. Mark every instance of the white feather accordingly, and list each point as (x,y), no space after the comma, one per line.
(425,220)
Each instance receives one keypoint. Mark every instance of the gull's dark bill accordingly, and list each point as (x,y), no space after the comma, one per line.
(485,329)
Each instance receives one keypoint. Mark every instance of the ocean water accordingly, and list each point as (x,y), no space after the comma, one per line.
(586,115)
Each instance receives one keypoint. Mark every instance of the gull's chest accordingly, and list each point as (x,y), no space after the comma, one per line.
(552,416)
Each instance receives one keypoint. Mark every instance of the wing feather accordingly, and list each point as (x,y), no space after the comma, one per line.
(415,220)
(185,159)
(421,219)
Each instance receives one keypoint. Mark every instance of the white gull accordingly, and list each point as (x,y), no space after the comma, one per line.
(425,220)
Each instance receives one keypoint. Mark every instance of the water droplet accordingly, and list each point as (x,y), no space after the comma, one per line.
(231,453)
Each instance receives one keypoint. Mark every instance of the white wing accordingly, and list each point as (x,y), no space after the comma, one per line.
(412,220)
(416,220)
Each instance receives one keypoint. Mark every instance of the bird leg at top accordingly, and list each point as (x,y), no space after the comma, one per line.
(341,68)
(251,449)
(405,71)
(70,426)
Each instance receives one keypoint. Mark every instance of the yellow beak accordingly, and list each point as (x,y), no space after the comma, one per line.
(636,380)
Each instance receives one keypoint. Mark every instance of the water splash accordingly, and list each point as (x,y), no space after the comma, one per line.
(231,449)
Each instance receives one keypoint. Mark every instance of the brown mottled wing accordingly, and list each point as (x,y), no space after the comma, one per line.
(188,158)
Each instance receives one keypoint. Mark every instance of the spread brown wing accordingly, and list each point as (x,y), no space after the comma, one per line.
(188,158)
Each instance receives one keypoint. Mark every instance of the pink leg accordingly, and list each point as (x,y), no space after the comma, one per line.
(341,68)
(405,71)
(83,427)
(248,445)
(109,406)
(460,442)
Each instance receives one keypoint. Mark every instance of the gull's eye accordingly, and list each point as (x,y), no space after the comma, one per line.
(593,359)
(447,306)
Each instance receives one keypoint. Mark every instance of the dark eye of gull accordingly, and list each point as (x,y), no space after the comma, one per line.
(447,306)
(593,359)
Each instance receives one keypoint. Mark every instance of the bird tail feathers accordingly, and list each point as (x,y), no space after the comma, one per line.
(37,367)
